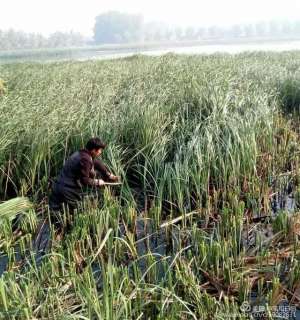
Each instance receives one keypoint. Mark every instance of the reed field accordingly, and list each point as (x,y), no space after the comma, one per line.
(201,228)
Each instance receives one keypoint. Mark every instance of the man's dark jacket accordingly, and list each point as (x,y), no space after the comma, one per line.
(78,173)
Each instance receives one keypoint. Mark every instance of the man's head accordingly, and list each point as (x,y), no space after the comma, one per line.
(95,147)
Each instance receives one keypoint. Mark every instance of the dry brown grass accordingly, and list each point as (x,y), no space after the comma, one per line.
(3,89)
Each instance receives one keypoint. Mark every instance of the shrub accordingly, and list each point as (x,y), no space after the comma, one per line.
(289,90)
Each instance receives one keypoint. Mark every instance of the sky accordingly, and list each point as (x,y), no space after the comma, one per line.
(47,16)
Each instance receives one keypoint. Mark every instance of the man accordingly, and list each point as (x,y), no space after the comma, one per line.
(79,172)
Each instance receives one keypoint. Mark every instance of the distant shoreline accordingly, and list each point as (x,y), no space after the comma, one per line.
(135,48)
(144,45)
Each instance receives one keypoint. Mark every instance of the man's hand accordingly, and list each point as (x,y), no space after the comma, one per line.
(101,182)
(114,178)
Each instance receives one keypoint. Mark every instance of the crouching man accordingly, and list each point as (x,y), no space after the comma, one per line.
(80,171)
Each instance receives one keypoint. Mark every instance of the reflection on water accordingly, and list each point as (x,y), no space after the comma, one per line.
(202,49)
(233,48)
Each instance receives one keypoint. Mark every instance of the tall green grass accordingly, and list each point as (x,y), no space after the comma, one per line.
(181,125)
(199,141)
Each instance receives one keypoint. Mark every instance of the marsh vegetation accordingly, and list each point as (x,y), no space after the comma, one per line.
(205,145)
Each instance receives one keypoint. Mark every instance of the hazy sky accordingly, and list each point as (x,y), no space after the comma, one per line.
(46,16)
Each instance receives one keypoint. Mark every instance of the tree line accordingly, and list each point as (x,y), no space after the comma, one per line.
(116,27)
(14,40)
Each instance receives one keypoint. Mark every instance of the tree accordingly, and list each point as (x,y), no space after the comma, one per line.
(261,29)
(286,28)
(236,31)
(179,33)
(62,39)
(249,30)
(274,28)
(114,27)
(18,40)
(214,32)
(190,33)
(297,28)
(201,34)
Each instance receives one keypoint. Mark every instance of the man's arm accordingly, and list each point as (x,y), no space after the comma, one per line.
(85,169)
(100,166)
